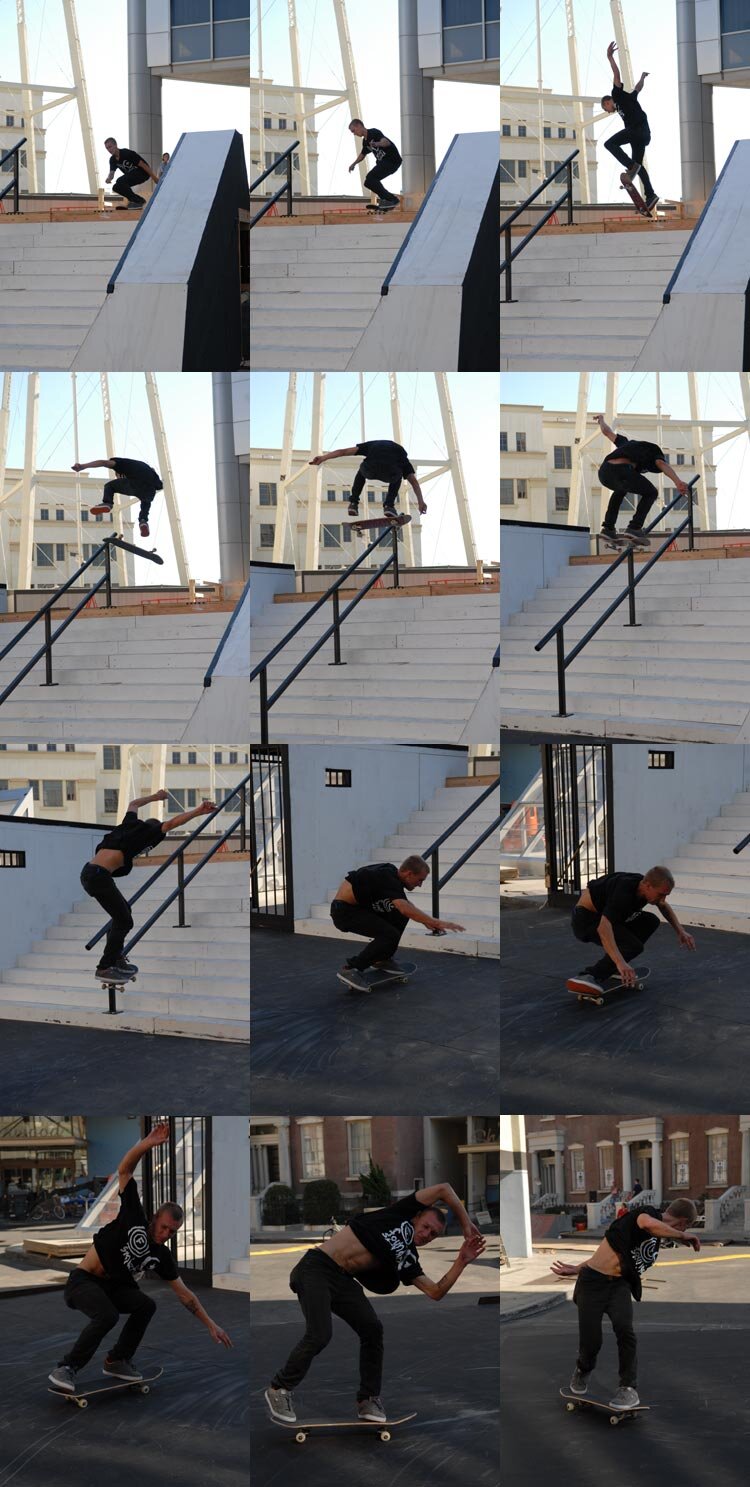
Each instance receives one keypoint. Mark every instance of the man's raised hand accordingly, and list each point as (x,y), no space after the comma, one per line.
(611,49)
(159,1134)
(219,1335)
(472,1248)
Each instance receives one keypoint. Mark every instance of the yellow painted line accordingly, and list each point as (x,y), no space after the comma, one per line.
(709,1260)
(281,1250)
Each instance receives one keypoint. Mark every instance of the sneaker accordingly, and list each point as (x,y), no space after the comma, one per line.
(624,1399)
(610,534)
(279,1402)
(144,529)
(637,537)
(628,176)
(64,1378)
(390,511)
(124,964)
(651,200)
(121,1368)
(584,983)
(579,1384)
(386,965)
(116,974)
(371,1409)
(353,510)
(354,978)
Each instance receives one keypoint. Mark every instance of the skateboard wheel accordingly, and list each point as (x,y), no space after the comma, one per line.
(300,1436)
(385,1435)
(145,1389)
(600,1001)
(83,1404)
(614,1419)
(570,1408)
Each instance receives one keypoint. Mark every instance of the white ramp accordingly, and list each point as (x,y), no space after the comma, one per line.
(704,324)
(223,711)
(440,304)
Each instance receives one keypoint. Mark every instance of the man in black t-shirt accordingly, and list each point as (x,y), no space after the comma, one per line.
(636,132)
(372,902)
(384,460)
(379,1251)
(387,160)
(621,471)
(134,478)
(608,1283)
(611,912)
(114,858)
(135,170)
(105,1284)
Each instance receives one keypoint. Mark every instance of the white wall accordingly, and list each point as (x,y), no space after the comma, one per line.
(34,897)
(531,557)
(230,1154)
(655,810)
(515,1215)
(266,581)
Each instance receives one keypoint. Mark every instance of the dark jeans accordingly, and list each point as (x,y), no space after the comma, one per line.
(323,1290)
(100,884)
(377,174)
(125,183)
(637,139)
(104,1301)
(597,1296)
(144,493)
(624,481)
(363,474)
(630,938)
(383,931)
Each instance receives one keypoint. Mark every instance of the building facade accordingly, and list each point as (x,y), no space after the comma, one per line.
(280,127)
(13,125)
(522,165)
(459,39)
(65,533)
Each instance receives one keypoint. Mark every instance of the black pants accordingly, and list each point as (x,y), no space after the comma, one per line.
(144,493)
(597,1296)
(363,474)
(630,938)
(130,178)
(383,931)
(104,1301)
(100,884)
(387,167)
(624,481)
(637,139)
(323,1289)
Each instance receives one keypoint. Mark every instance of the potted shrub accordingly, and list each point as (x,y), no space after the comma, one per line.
(280,1207)
(321,1201)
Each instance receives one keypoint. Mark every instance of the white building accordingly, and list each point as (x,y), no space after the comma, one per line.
(521,168)
(13,126)
(65,532)
(280,127)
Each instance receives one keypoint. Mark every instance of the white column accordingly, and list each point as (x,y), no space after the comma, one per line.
(285,1156)
(417,109)
(144,91)
(656,1173)
(559,1174)
(745,1159)
(627,1171)
(536,1176)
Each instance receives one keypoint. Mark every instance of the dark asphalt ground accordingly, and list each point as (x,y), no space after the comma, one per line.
(192,1430)
(317,1044)
(680,1044)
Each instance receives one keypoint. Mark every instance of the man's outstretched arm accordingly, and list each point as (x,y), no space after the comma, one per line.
(95,465)
(333,454)
(604,427)
(141,800)
(470,1250)
(192,1304)
(409,911)
(611,49)
(205,807)
(442,1192)
(417,489)
(131,1158)
(640,82)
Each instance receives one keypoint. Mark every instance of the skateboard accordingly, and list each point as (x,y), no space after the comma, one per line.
(624,539)
(377,978)
(112,988)
(378,207)
(379,521)
(614,983)
(82,1396)
(580,1401)
(383,1427)
(638,202)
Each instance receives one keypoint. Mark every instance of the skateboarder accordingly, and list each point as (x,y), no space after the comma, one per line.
(610,912)
(114,859)
(134,478)
(636,132)
(622,473)
(379,1251)
(387,161)
(105,1284)
(383,460)
(372,902)
(135,170)
(608,1282)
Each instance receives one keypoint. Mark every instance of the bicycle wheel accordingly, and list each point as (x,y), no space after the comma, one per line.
(58,1208)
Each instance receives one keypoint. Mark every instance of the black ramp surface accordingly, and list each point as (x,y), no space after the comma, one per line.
(674,1045)
(191,1430)
(314,1042)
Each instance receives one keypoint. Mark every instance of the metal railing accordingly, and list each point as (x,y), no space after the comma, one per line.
(432,853)
(261,670)
(285,190)
(567,196)
(626,556)
(13,184)
(45,612)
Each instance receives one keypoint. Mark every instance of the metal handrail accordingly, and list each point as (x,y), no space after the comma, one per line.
(510,255)
(496,657)
(45,611)
(285,190)
(432,852)
(14,182)
(628,592)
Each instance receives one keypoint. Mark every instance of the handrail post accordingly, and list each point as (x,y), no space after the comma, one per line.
(289,185)
(17,181)
(263,698)
(181,895)
(691,535)
(108,567)
(435,884)
(394,535)
(561,712)
(243,818)
(337,661)
(631,588)
(569,173)
(509,269)
(48,682)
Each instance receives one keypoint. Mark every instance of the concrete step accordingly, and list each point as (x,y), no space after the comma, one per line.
(268,358)
(168,1021)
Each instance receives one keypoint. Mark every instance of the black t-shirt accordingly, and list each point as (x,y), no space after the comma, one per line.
(376,886)
(373,141)
(138,471)
(384,459)
(629,109)
(127,160)
(636,1248)
(389,1236)
(617,896)
(638,452)
(131,838)
(124,1246)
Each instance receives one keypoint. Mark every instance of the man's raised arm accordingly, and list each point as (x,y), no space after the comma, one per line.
(470,1250)
(192,1304)
(611,49)
(131,1158)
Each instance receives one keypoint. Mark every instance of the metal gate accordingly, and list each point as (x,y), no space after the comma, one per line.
(179,1171)
(271,890)
(578,820)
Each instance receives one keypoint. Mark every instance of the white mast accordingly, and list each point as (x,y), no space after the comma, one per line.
(695,414)
(4,515)
(578,113)
(27,97)
(81,93)
(26,545)
(284,527)
(350,77)
(315,476)
(408,531)
(299,99)
(77,456)
(540,90)
(165,470)
(459,485)
(261,100)
(576,460)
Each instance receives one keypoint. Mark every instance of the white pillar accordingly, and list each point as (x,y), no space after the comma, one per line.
(559,1175)
(232,486)
(745,1159)
(26,545)
(165,470)
(285,1155)
(144,91)
(656,1173)
(627,1170)
(315,476)
(417,109)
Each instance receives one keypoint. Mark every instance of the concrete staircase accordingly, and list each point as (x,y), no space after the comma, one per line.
(134,677)
(236,1278)
(53,281)
(416,666)
(587,300)
(313,291)
(712,886)
(471,898)
(684,674)
(193,981)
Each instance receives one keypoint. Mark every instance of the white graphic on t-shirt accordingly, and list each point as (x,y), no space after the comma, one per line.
(135,1253)
(644,1254)
(399,1240)
(382,906)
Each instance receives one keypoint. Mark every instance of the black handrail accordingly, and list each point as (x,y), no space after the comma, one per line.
(285,190)
(212,667)
(496,657)
(13,184)
(45,612)
(563,661)
(505,266)
(432,852)
(261,670)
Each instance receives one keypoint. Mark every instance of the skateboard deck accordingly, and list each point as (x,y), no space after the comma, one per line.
(303,1428)
(615,983)
(638,201)
(580,1401)
(377,978)
(81,1397)
(392,206)
(379,521)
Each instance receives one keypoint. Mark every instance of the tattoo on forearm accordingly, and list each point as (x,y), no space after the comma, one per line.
(193,1306)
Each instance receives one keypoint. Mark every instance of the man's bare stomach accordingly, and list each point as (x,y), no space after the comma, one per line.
(587,902)
(348,1251)
(604,1260)
(345,893)
(108,858)
(92,1263)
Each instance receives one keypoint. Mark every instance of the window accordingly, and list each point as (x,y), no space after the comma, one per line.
(521,490)
(338,779)
(178,796)
(680,459)
(34,788)
(503,442)
(359,1141)
(59,514)
(60,552)
(12,859)
(562,132)
(51,748)
(680,1159)
(192,757)
(563,457)
(562,498)
(506,493)
(507,172)
(313,1158)
(506,130)
(111,756)
(44,555)
(176,757)
(267,122)
(520,443)
(44,514)
(84,515)
(266,534)
(606,1166)
(522,131)
(522,169)
(332,536)
(331,496)
(547,131)
(33,748)
(267,493)
(234,757)
(70,748)
(218,757)
(717,1159)
(577,1178)
(661,758)
(71,790)
(282,123)
(9,121)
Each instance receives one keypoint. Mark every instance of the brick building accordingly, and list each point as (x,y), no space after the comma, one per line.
(577,1158)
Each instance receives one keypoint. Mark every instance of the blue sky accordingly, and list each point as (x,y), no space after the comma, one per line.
(474,399)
